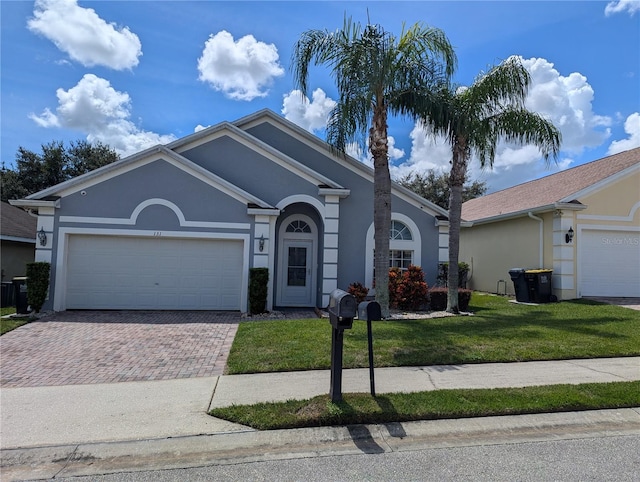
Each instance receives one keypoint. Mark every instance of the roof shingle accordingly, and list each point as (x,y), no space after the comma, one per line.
(16,222)
(548,190)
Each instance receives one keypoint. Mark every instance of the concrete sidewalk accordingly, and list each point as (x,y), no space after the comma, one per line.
(130,411)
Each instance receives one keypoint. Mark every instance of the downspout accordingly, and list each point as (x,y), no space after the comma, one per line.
(540,242)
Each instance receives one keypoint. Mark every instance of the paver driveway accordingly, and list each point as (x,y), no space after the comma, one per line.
(80,347)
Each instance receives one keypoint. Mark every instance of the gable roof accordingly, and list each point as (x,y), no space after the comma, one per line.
(562,187)
(229,129)
(16,224)
(354,165)
(151,154)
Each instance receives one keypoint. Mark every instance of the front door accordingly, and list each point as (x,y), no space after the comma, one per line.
(296,273)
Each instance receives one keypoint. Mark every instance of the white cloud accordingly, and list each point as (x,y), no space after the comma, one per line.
(100,111)
(566,101)
(199,128)
(310,115)
(356,151)
(242,70)
(631,6)
(632,128)
(82,34)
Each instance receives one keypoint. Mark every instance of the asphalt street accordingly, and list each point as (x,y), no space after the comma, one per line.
(606,458)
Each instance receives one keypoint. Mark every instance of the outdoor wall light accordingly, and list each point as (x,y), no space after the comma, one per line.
(42,236)
(569,236)
(261,243)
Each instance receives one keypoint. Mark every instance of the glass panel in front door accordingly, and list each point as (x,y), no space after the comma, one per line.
(297,266)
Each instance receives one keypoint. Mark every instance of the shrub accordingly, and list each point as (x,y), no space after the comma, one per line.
(258,287)
(412,291)
(359,291)
(395,275)
(443,273)
(438,298)
(37,284)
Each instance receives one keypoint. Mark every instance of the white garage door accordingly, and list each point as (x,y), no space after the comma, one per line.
(110,272)
(610,263)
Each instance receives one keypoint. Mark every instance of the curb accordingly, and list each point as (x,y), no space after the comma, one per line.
(252,446)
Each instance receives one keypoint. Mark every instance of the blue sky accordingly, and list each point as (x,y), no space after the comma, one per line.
(138,73)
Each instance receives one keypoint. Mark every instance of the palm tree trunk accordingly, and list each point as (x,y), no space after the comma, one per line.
(381,205)
(456,179)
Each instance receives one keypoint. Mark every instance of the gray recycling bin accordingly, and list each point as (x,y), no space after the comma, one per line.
(539,285)
(520,284)
(20,291)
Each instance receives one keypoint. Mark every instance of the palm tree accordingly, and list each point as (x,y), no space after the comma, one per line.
(374,71)
(474,119)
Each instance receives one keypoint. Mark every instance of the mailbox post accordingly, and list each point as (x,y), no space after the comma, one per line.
(342,311)
(371,311)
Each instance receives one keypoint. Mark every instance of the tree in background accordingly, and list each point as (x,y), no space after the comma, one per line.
(374,71)
(435,187)
(474,119)
(34,172)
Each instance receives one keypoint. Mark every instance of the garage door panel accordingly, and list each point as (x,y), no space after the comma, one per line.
(610,263)
(110,272)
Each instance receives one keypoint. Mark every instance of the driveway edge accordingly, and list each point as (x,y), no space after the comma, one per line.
(252,446)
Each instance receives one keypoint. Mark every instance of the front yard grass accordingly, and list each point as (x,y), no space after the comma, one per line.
(8,324)
(498,331)
(403,407)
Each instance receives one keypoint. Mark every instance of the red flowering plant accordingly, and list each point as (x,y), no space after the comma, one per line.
(412,291)
(359,291)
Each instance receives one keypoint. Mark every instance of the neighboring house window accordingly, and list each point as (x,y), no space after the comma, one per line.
(298,226)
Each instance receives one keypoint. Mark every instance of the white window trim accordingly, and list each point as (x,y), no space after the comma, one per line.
(414,245)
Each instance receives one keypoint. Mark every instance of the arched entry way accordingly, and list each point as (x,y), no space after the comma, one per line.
(297,261)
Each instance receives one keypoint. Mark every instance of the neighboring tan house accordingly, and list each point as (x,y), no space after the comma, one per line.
(583,223)
(178,227)
(17,240)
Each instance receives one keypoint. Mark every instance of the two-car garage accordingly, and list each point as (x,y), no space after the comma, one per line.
(153,272)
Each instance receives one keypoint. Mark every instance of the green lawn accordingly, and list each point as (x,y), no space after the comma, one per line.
(402,407)
(7,324)
(499,331)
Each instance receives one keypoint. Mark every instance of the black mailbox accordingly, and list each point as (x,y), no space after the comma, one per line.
(369,311)
(342,309)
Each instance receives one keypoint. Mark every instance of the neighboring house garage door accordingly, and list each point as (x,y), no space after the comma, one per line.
(109,272)
(609,263)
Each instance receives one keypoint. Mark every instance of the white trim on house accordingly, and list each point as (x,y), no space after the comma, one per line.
(59,301)
(230,130)
(414,245)
(604,183)
(132,220)
(154,154)
(283,238)
(34,203)
(265,227)
(624,219)
(303,198)
(350,163)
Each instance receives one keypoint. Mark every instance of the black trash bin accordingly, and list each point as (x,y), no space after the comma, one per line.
(6,298)
(519,284)
(20,290)
(539,285)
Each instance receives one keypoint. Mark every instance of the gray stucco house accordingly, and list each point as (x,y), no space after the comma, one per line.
(177,227)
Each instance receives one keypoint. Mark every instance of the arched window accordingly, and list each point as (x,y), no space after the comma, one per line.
(298,226)
(405,245)
(399,231)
